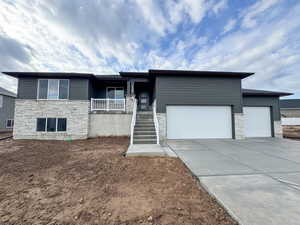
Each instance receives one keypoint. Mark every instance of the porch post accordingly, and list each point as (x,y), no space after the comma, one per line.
(128,88)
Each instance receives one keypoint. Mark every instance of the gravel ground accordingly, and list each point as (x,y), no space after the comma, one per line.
(90,182)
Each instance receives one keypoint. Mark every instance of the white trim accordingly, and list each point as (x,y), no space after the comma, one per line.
(47,99)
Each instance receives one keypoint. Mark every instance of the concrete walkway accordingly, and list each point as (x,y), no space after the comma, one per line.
(149,150)
(256,180)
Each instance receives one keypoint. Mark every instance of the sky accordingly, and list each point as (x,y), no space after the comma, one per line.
(109,36)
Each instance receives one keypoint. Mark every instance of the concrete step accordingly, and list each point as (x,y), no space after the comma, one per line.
(144,141)
(138,137)
(144,125)
(144,129)
(144,120)
(147,132)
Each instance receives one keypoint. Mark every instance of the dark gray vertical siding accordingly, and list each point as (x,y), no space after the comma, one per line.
(7,111)
(185,90)
(264,101)
(27,88)
(78,89)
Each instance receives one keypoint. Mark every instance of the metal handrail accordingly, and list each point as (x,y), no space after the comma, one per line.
(156,124)
(133,119)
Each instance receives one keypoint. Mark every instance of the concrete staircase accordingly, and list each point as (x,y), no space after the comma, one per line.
(144,129)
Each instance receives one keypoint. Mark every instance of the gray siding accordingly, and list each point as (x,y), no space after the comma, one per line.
(7,111)
(198,91)
(27,88)
(264,101)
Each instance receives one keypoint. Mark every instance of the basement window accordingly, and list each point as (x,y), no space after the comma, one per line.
(9,123)
(51,125)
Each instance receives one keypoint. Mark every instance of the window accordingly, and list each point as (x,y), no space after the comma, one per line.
(41,124)
(53,89)
(1,101)
(51,124)
(9,123)
(115,92)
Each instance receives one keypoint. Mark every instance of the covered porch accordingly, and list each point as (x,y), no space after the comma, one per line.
(117,94)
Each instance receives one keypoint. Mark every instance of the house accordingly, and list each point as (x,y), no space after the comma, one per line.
(290,108)
(151,107)
(7,106)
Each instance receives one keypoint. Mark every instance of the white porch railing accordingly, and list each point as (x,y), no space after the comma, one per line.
(133,121)
(156,124)
(106,104)
(290,121)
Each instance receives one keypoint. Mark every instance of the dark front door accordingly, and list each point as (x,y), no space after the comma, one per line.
(144,101)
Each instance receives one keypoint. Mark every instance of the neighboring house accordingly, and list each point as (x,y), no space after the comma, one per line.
(149,106)
(290,108)
(7,106)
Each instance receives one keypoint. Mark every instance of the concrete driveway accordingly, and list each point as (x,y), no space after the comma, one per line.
(256,180)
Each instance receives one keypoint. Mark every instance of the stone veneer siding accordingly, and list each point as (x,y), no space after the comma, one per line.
(239,125)
(278,129)
(162,123)
(27,112)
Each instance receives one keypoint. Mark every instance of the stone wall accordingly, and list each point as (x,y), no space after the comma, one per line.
(27,112)
(109,125)
(239,125)
(129,104)
(162,123)
(278,129)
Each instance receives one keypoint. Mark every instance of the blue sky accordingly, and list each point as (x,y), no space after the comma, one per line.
(108,36)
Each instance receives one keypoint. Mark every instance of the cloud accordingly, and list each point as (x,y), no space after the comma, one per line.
(229,26)
(255,10)
(108,36)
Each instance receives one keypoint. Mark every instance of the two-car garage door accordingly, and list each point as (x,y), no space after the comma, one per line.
(196,122)
(193,122)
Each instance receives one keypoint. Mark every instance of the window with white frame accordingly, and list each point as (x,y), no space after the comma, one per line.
(51,124)
(9,123)
(115,93)
(1,101)
(53,89)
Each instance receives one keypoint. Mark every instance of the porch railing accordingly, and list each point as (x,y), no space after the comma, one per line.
(107,104)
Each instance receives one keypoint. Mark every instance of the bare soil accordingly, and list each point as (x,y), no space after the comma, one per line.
(90,182)
(291,131)
(5,134)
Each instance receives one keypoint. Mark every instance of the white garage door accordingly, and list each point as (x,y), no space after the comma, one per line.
(192,122)
(257,121)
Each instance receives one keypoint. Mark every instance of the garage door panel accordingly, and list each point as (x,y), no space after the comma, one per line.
(257,121)
(194,122)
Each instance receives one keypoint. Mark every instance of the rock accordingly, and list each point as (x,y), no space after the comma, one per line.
(150,218)
(81,201)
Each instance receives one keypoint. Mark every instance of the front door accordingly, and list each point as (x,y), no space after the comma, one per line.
(144,101)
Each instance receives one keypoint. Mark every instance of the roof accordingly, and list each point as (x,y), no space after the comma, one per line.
(135,74)
(49,74)
(290,103)
(7,93)
(110,77)
(253,92)
(199,73)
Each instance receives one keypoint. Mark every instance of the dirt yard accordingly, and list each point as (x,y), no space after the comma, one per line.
(90,182)
(5,134)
